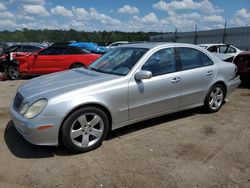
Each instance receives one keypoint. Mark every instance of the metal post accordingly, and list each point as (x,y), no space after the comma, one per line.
(224,33)
(175,35)
(195,35)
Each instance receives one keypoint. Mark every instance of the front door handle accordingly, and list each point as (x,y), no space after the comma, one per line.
(175,80)
(209,73)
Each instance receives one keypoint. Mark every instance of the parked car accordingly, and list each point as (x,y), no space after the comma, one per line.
(242,61)
(220,48)
(128,84)
(90,46)
(9,55)
(51,59)
(22,49)
(116,44)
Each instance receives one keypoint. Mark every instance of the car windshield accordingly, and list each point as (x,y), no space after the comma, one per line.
(118,61)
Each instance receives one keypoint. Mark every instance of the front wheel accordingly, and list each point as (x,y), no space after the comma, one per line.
(85,129)
(13,72)
(215,98)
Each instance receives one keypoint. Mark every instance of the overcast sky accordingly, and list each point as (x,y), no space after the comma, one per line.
(123,15)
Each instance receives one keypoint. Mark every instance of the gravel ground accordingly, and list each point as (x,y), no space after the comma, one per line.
(187,149)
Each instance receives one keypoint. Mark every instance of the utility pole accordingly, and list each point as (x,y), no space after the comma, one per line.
(195,35)
(224,33)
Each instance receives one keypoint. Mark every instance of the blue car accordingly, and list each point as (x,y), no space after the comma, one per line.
(90,46)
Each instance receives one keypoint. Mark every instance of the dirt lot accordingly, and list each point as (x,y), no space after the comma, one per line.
(187,149)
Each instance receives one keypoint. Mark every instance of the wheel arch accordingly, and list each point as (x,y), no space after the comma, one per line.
(218,82)
(221,83)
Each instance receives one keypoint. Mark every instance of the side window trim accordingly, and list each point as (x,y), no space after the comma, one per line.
(180,63)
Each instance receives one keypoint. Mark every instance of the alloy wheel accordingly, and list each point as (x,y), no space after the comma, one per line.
(87,130)
(13,72)
(216,98)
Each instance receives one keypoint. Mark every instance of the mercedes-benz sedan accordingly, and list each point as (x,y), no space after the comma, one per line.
(129,84)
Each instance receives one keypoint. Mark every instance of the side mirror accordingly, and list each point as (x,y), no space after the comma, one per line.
(141,75)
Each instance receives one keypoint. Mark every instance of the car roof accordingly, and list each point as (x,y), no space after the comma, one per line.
(150,45)
(212,44)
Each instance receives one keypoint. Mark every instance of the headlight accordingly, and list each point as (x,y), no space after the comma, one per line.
(36,108)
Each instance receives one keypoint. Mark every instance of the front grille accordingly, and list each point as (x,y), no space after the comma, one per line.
(17,101)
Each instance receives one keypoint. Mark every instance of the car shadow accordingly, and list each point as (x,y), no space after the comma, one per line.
(152,122)
(20,148)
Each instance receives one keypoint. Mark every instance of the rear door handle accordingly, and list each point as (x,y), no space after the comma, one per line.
(175,80)
(209,73)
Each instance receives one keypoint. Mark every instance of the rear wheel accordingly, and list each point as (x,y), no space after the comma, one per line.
(13,72)
(76,65)
(215,98)
(85,129)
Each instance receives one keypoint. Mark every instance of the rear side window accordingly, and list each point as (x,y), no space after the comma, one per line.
(30,49)
(161,62)
(53,51)
(76,50)
(191,58)
(231,50)
(213,49)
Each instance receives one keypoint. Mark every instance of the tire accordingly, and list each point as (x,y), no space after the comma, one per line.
(13,72)
(215,98)
(76,65)
(85,129)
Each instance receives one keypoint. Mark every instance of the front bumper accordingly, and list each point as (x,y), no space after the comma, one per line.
(28,128)
(233,85)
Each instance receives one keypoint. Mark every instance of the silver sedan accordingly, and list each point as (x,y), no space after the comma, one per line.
(129,84)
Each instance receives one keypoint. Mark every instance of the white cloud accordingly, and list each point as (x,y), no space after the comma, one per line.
(2,7)
(7,24)
(241,18)
(62,11)
(80,13)
(35,9)
(205,6)
(149,19)
(6,15)
(214,18)
(242,13)
(127,9)
(25,17)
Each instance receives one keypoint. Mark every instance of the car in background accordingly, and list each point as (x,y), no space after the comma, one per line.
(230,50)
(242,61)
(128,84)
(9,53)
(51,59)
(22,49)
(90,46)
(116,44)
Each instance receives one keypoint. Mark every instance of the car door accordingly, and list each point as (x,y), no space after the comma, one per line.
(160,93)
(47,61)
(198,72)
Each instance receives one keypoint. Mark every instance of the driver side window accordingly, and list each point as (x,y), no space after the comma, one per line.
(161,62)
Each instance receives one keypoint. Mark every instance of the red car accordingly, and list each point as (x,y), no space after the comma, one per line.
(242,61)
(53,59)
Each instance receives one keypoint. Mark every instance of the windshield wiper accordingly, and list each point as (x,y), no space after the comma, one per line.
(97,70)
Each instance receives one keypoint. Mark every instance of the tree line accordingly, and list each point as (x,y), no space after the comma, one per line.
(100,37)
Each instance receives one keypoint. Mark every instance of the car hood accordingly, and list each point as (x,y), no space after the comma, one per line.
(66,81)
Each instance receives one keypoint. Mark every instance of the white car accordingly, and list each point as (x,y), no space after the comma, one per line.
(222,49)
(116,44)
